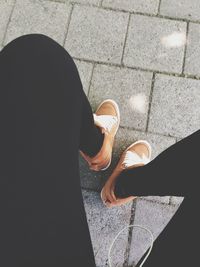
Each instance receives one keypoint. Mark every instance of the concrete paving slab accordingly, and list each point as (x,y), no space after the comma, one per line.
(176,200)
(91,2)
(192,62)
(95,180)
(34,16)
(158,199)
(104,224)
(129,88)
(144,6)
(85,72)
(97,34)
(187,9)
(153,216)
(5,11)
(155,43)
(175,106)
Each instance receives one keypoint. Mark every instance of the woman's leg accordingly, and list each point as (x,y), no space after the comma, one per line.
(91,138)
(173,172)
(42,109)
(177,245)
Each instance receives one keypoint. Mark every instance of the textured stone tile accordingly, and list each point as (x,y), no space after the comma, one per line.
(129,88)
(85,72)
(125,137)
(189,9)
(145,6)
(104,224)
(96,34)
(153,216)
(176,200)
(92,2)
(34,16)
(155,43)
(5,11)
(158,199)
(192,62)
(175,106)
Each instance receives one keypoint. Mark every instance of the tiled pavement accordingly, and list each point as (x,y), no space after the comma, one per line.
(146,55)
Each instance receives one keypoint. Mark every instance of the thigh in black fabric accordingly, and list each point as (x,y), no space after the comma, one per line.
(43,220)
(176,245)
(173,172)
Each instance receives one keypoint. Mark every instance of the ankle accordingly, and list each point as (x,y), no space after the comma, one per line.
(105,149)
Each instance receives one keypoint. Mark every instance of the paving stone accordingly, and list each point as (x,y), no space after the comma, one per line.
(145,6)
(92,2)
(158,199)
(153,216)
(85,72)
(97,34)
(189,9)
(130,88)
(104,224)
(176,200)
(95,180)
(155,43)
(192,62)
(5,11)
(175,106)
(34,16)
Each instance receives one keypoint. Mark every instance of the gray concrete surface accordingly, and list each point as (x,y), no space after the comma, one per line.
(148,44)
(192,64)
(144,54)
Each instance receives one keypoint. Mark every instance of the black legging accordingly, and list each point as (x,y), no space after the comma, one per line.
(174,172)
(45,119)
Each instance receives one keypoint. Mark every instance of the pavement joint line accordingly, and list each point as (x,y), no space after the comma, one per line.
(138,13)
(71,2)
(180,75)
(68,24)
(150,101)
(130,233)
(56,1)
(90,83)
(10,16)
(185,48)
(159,5)
(170,200)
(125,40)
(132,12)
(158,202)
(148,132)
